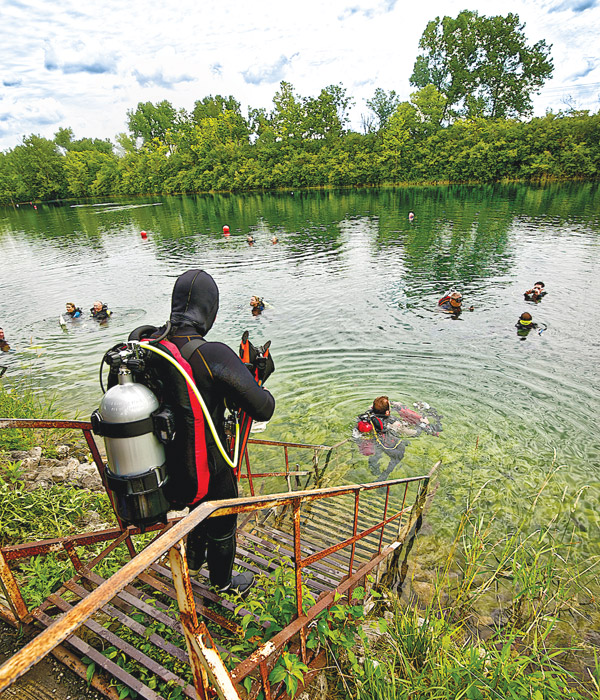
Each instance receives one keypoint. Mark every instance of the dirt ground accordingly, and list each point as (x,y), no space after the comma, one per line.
(47,679)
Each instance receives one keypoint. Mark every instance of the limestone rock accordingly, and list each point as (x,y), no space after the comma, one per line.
(87,477)
(62,451)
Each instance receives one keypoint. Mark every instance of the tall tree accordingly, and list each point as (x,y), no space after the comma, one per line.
(151,121)
(384,105)
(483,66)
(39,167)
(288,116)
(218,106)
(327,114)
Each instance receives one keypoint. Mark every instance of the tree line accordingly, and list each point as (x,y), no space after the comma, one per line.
(468,120)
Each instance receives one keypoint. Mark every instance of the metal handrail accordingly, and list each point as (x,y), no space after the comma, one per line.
(35,650)
(208,669)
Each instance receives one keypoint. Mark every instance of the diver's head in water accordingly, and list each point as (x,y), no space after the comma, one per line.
(455,300)
(525,319)
(381,406)
(2,334)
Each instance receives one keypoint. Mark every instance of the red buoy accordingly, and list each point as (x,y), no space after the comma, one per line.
(225,229)
(143,234)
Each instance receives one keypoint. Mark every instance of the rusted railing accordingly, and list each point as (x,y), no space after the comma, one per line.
(208,668)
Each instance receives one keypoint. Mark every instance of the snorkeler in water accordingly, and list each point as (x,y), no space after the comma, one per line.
(451,303)
(72,310)
(525,322)
(382,429)
(536,293)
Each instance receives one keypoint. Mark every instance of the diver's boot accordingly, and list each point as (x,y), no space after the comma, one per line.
(196,552)
(240,583)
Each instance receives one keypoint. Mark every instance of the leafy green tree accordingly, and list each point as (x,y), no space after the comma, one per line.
(39,169)
(384,104)
(218,106)
(482,65)
(430,104)
(150,121)
(64,139)
(288,115)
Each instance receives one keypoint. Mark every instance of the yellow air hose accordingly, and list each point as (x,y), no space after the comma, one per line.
(194,388)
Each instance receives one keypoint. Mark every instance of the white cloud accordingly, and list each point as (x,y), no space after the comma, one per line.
(85,64)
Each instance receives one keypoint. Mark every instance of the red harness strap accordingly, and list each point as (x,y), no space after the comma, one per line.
(200,452)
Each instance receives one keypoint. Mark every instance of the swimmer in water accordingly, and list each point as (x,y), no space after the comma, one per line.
(525,322)
(452,303)
(100,311)
(411,216)
(536,293)
(274,240)
(525,325)
(72,310)
(250,239)
(4,346)
(257,304)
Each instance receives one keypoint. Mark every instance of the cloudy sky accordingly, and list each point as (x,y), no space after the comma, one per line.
(83,64)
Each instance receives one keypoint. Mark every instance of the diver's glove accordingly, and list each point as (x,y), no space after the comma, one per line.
(264,362)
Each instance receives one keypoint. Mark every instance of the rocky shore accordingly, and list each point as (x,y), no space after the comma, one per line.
(71,467)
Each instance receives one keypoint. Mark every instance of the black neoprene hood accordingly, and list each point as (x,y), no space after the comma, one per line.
(195,301)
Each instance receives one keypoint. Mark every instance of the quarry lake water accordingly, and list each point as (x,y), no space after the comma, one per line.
(352,289)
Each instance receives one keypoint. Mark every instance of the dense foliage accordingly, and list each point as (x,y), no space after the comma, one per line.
(482,66)
(297,147)
(475,77)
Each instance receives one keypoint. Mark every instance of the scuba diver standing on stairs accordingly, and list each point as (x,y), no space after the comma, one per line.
(223,381)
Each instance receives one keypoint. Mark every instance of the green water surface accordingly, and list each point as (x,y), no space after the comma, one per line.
(352,288)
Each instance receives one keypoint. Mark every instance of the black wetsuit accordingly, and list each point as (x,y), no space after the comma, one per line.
(221,378)
(101,315)
(531,296)
(386,442)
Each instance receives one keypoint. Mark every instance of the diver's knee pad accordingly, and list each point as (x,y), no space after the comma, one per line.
(220,553)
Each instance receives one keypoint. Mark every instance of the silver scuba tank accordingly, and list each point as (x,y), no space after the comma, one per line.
(136,469)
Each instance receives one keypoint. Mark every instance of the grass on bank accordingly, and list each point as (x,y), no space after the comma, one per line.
(508,618)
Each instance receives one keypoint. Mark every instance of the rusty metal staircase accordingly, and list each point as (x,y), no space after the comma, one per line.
(154,630)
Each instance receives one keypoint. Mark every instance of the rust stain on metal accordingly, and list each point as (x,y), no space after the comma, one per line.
(13,593)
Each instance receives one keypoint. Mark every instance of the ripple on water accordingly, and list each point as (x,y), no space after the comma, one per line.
(353,289)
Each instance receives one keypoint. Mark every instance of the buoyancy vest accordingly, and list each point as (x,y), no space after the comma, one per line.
(186,455)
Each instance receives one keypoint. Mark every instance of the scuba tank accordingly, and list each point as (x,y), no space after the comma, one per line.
(134,431)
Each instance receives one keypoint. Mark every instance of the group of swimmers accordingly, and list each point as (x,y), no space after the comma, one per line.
(451,303)
(99,311)
(251,240)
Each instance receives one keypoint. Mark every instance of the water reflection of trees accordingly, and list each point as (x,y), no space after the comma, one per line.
(459,233)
